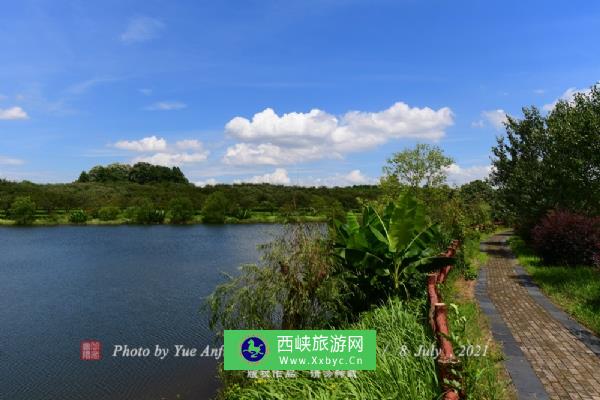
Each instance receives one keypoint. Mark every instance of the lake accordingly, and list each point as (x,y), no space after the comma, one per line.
(134,285)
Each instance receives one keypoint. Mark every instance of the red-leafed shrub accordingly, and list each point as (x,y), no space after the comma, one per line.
(565,238)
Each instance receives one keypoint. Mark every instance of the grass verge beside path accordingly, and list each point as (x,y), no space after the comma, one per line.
(575,289)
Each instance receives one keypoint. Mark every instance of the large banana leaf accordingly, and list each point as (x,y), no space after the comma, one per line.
(382,248)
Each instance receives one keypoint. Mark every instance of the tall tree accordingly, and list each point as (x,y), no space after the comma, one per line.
(422,166)
(549,162)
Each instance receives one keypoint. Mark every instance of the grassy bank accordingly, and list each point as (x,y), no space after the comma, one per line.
(575,289)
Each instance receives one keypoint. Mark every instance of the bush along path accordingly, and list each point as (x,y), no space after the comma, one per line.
(547,354)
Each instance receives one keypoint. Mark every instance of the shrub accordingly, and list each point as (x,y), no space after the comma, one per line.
(181,210)
(565,238)
(22,211)
(215,208)
(386,253)
(145,213)
(78,217)
(108,213)
(295,287)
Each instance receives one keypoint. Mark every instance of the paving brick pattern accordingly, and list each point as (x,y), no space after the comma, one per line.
(567,368)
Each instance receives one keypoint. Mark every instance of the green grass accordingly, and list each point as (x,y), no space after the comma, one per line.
(397,376)
(575,289)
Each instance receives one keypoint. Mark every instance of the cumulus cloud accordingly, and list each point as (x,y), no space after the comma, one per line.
(458,175)
(13,113)
(270,154)
(567,96)
(356,177)
(173,159)
(495,118)
(208,182)
(188,144)
(280,176)
(166,106)
(151,143)
(163,153)
(295,137)
(141,29)
(10,161)
(277,177)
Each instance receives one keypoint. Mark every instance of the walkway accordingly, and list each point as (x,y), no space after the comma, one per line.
(548,355)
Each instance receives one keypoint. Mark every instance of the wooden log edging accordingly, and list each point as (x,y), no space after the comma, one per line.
(447,362)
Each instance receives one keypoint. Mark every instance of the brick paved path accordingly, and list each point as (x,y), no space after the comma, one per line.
(567,368)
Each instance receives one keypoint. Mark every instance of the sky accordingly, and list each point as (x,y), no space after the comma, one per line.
(311,92)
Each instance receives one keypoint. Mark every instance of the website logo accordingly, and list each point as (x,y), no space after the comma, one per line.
(284,350)
(253,349)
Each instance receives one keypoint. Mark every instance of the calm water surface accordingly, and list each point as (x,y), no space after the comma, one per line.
(132,285)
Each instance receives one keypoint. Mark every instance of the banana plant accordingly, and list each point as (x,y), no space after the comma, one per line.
(381,250)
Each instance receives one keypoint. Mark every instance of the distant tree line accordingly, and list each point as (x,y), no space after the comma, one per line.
(147,193)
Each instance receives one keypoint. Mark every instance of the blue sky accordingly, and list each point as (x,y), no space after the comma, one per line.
(296,92)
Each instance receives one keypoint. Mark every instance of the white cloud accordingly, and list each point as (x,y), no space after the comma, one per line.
(141,29)
(188,144)
(3,97)
(295,137)
(166,106)
(159,152)
(208,182)
(567,96)
(496,118)
(10,161)
(151,143)
(13,113)
(458,175)
(146,91)
(539,91)
(356,177)
(277,177)
(270,154)
(173,159)
(280,176)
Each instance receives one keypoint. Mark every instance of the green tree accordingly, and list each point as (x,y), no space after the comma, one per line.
(147,173)
(108,213)
(22,210)
(146,213)
(549,162)
(181,210)
(215,208)
(115,172)
(78,217)
(422,166)
(83,177)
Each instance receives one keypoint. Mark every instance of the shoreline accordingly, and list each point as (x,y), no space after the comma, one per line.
(229,221)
